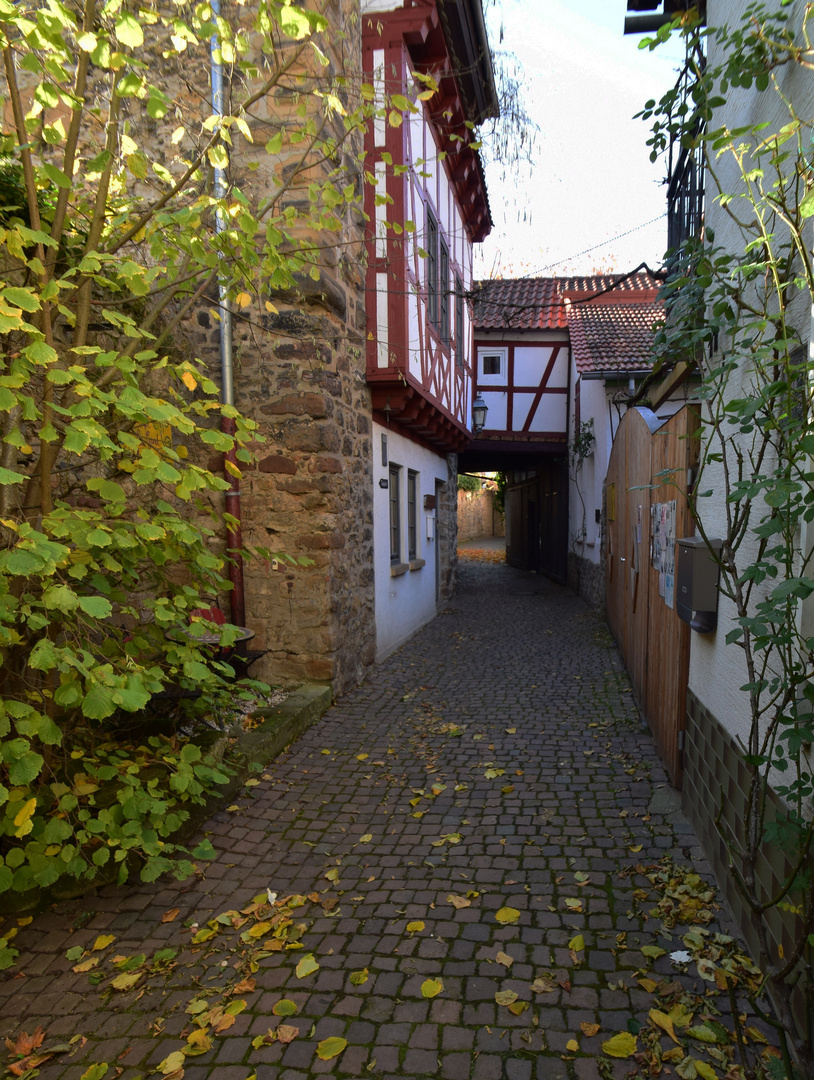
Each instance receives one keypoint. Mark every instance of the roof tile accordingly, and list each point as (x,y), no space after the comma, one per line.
(538,303)
(609,316)
(613,337)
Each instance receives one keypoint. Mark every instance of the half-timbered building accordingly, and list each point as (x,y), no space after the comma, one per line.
(426,210)
(555,360)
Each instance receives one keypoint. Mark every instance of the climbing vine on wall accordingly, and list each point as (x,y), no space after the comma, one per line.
(738,311)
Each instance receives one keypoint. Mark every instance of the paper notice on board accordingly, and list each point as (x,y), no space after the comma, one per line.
(669,590)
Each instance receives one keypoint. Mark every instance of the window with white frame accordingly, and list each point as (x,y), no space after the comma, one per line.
(394,492)
(431,241)
(412,514)
(443,291)
(493,365)
(459,322)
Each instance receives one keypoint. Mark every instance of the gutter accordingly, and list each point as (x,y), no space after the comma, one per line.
(234,537)
(619,376)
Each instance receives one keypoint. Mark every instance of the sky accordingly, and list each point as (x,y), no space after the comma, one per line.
(592,179)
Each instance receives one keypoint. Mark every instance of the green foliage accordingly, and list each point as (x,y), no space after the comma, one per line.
(469,483)
(740,313)
(501,479)
(582,443)
(110,522)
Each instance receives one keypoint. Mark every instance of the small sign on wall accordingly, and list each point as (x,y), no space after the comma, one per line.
(430,521)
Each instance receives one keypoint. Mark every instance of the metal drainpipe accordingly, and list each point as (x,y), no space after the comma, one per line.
(234,538)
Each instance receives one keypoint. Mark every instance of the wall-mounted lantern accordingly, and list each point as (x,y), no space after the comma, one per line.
(479,411)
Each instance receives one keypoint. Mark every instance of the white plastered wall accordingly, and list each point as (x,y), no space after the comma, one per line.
(590,478)
(531,360)
(406,602)
(717,671)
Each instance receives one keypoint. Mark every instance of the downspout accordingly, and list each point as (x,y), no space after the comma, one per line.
(234,538)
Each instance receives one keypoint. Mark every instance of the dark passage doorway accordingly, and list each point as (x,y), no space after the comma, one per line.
(536,507)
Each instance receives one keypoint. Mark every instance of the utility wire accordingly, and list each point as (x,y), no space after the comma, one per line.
(587,251)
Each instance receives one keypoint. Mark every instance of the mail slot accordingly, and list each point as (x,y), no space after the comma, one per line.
(697,583)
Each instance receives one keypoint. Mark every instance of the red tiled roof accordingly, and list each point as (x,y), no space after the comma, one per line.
(611,332)
(539,303)
(612,337)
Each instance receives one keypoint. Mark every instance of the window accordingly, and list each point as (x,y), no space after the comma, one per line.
(459,322)
(412,514)
(493,365)
(685,172)
(432,268)
(443,290)
(395,514)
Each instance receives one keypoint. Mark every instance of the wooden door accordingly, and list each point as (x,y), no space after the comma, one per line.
(647,474)
(554,519)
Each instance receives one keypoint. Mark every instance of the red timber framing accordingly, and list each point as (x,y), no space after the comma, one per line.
(560,357)
(428,399)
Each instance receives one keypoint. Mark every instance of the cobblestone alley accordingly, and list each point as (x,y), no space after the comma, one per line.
(462,826)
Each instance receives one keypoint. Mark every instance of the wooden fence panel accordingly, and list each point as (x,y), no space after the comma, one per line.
(637,517)
(648,470)
(615,518)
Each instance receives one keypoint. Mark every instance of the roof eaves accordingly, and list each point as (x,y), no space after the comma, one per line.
(464,29)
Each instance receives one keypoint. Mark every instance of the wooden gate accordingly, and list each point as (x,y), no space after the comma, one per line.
(646,512)
(537,519)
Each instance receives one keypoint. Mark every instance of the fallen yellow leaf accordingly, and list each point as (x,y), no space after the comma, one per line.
(662,1020)
(331,1048)
(622,1045)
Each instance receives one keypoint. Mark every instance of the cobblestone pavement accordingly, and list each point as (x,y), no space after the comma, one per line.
(496,759)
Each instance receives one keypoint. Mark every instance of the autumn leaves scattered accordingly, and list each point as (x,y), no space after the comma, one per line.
(483,555)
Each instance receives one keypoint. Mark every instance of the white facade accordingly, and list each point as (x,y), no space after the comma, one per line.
(717,671)
(586,482)
(419,333)
(431,199)
(512,369)
(405,583)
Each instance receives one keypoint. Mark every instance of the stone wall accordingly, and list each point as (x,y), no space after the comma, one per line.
(587,579)
(447,538)
(300,374)
(477,515)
